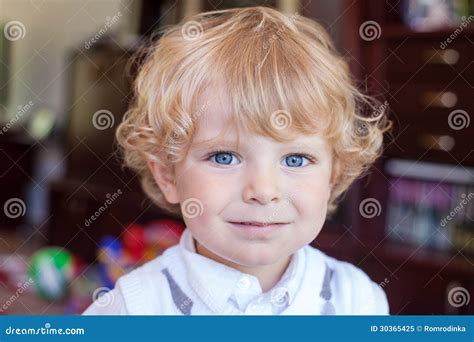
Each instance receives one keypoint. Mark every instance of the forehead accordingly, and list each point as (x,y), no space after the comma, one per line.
(213,115)
(215,126)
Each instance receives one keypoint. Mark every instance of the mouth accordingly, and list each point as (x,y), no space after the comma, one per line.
(256,224)
(259,230)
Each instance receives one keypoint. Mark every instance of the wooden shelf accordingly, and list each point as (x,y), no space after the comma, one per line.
(425,257)
(343,243)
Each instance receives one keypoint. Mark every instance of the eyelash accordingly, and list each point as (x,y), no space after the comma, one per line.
(299,154)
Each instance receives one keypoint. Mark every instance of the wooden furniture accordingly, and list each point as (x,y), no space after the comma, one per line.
(17,155)
(423,83)
(94,174)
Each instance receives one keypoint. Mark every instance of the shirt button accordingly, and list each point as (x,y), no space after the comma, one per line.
(243,283)
(279,296)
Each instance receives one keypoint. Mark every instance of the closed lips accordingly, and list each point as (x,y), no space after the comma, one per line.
(260,224)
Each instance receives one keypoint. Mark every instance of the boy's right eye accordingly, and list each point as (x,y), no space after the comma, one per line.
(223,158)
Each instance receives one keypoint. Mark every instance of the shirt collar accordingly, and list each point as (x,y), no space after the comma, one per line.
(216,283)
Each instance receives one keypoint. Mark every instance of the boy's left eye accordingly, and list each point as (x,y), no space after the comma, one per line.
(296,160)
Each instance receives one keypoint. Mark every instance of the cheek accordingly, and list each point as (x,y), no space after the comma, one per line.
(310,198)
(206,190)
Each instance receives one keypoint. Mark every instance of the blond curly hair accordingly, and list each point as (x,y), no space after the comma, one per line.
(271,63)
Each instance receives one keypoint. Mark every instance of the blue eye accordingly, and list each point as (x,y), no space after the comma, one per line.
(228,158)
(296,160)
(223,158)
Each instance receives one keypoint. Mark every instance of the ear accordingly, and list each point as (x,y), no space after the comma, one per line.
(165,179)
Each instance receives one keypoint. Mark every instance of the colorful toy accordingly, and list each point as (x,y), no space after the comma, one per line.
(134,243)
(139,245)
(51,269)
(54,270)
(112,261)
(160,235)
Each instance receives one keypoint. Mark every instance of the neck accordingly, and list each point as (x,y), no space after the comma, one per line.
(267,275)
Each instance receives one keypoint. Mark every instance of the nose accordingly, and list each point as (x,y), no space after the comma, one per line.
(261,185)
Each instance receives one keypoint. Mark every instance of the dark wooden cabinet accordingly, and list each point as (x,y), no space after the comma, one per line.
(423,82)
(99,98)
(16,165)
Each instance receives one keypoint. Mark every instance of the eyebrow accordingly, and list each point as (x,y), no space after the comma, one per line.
(314,146)
(212,143)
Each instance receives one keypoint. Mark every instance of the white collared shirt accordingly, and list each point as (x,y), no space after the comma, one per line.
(183,282)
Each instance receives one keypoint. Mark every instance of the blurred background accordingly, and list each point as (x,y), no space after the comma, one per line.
(72,219)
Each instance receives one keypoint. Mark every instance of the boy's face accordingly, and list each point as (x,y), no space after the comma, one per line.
(262,181)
